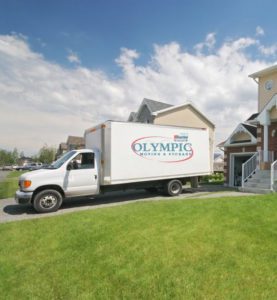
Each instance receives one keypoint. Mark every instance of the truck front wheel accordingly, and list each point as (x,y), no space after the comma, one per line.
(173,187)
(47,201)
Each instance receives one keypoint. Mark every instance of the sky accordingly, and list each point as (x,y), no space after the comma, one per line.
(68,65)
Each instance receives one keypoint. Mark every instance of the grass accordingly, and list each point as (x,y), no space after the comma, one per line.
(9,185)
(179,249)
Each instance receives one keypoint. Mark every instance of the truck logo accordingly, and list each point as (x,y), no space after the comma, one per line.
(164,149)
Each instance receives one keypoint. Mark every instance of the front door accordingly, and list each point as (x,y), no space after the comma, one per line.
(238,161)
(81,177)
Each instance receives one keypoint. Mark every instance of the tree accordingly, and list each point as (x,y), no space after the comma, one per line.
(15,156)
(47,154)
(5,158)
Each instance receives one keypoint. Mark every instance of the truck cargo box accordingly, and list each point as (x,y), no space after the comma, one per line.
(135,152)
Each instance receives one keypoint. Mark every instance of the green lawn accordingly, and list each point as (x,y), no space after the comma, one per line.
(177,249)
(9,186)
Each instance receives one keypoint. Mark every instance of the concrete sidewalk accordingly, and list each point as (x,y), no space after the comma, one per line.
(10,211)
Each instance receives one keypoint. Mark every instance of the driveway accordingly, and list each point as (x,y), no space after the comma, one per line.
(10,211)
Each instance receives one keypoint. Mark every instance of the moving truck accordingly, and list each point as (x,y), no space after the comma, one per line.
(120,156)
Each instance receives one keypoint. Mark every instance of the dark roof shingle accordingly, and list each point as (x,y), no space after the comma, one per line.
(155,105)
(251,129)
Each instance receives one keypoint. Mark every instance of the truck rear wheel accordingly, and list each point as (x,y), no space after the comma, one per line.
(47,201)
(173,187)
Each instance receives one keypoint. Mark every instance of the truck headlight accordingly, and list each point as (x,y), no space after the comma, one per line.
(27,183)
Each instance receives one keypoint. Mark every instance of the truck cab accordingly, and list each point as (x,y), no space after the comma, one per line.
(75,174)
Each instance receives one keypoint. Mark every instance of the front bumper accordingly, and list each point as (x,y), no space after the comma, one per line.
(23,197)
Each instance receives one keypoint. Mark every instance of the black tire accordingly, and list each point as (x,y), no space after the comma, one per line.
(47,201)
(173,187)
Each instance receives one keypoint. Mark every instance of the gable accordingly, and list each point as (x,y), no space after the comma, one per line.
(185,116)
(243,135)
(144,115)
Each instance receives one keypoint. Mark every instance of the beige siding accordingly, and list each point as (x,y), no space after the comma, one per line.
(273,114)
(241,136)
(187,117)
(265,95)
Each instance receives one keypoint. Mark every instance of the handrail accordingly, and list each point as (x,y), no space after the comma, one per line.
(272,175)
(249,167)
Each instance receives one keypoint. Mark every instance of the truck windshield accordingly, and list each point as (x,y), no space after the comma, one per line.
(58,163)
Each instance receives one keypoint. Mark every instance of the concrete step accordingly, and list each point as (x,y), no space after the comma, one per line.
(254,190)
(260,176)
(258,180)
(257,185)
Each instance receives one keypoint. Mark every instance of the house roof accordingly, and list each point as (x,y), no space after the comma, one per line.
(132,116)
(252,117)
(154,105)
(75,140)
(218,155)
(264,72)
(221,144)
(251,128)
(168,109)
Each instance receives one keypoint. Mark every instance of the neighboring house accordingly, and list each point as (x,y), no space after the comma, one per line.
(62,149)
(146,111)
(23,161)
(73,142)
(185,115)
(218,162)
(254,142)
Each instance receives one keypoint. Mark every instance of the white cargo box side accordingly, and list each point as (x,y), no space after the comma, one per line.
(133,152)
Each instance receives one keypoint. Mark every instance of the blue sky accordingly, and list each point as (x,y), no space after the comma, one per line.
(67,65)
(96,30)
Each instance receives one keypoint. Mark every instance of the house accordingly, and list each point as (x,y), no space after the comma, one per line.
(185,115)
(251,148)
(218,162)
(23,161)
(62,149)
(73,142)
(146,111)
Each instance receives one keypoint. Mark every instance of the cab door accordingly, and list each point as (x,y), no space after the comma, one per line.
(81,177)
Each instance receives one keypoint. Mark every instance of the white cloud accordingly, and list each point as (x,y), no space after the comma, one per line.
(268,51)
(43,102)
(259,31)
(73,57)
(209,43)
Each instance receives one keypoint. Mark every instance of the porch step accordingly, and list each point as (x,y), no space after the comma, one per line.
(255,190)
(258,183)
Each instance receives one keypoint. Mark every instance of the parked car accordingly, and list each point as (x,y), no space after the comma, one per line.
(18,168)
(32,166)
(7,168)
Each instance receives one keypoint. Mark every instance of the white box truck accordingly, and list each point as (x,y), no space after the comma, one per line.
(120,156)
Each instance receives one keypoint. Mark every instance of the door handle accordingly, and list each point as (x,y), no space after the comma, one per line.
(95,176)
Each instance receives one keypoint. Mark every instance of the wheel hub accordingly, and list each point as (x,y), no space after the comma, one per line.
(48,201)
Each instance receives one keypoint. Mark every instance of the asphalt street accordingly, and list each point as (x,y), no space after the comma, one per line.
(10,211)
